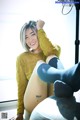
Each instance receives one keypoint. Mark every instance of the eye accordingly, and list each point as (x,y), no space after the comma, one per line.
(26,37)
(32,34)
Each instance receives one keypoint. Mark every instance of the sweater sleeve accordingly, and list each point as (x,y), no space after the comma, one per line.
(47,47)
(21,83)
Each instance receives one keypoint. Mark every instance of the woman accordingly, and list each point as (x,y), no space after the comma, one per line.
(31,90)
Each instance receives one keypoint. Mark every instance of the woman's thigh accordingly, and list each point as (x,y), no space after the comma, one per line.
(36,91)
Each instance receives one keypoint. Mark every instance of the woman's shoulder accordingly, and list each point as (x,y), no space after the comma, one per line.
(22,56)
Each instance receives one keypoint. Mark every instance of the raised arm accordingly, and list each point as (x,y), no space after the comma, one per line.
(47,47)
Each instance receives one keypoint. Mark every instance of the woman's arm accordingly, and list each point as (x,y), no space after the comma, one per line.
(22,83)
(47,47)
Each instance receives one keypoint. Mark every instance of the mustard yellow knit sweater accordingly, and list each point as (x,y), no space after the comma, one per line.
(26,62)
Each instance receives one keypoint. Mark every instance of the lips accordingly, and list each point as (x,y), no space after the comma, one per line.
(33,43)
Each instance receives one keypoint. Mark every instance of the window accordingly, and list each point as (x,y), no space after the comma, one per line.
(13,14)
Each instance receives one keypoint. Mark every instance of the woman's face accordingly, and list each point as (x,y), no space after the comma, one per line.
(31,39)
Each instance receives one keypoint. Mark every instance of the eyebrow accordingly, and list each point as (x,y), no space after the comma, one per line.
(30,33)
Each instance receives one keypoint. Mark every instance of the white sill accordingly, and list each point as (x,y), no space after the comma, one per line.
(8,105)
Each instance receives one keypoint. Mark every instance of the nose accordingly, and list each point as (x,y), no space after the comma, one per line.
(29,40)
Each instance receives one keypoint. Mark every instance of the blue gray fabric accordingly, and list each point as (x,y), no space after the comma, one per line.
(56,63)
(50,75)
(62,89)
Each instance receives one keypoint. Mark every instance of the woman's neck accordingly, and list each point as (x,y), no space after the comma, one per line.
(38,50)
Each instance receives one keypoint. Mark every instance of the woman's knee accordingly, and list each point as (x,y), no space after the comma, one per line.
(39,63)
(54,61)
(49,58)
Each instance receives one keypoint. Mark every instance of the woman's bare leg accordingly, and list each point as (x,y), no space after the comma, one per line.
(36,90)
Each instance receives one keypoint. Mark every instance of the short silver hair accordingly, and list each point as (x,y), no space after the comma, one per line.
(32,25)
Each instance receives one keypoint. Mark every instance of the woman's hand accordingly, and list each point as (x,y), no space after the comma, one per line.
(19,117)
(40,24)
